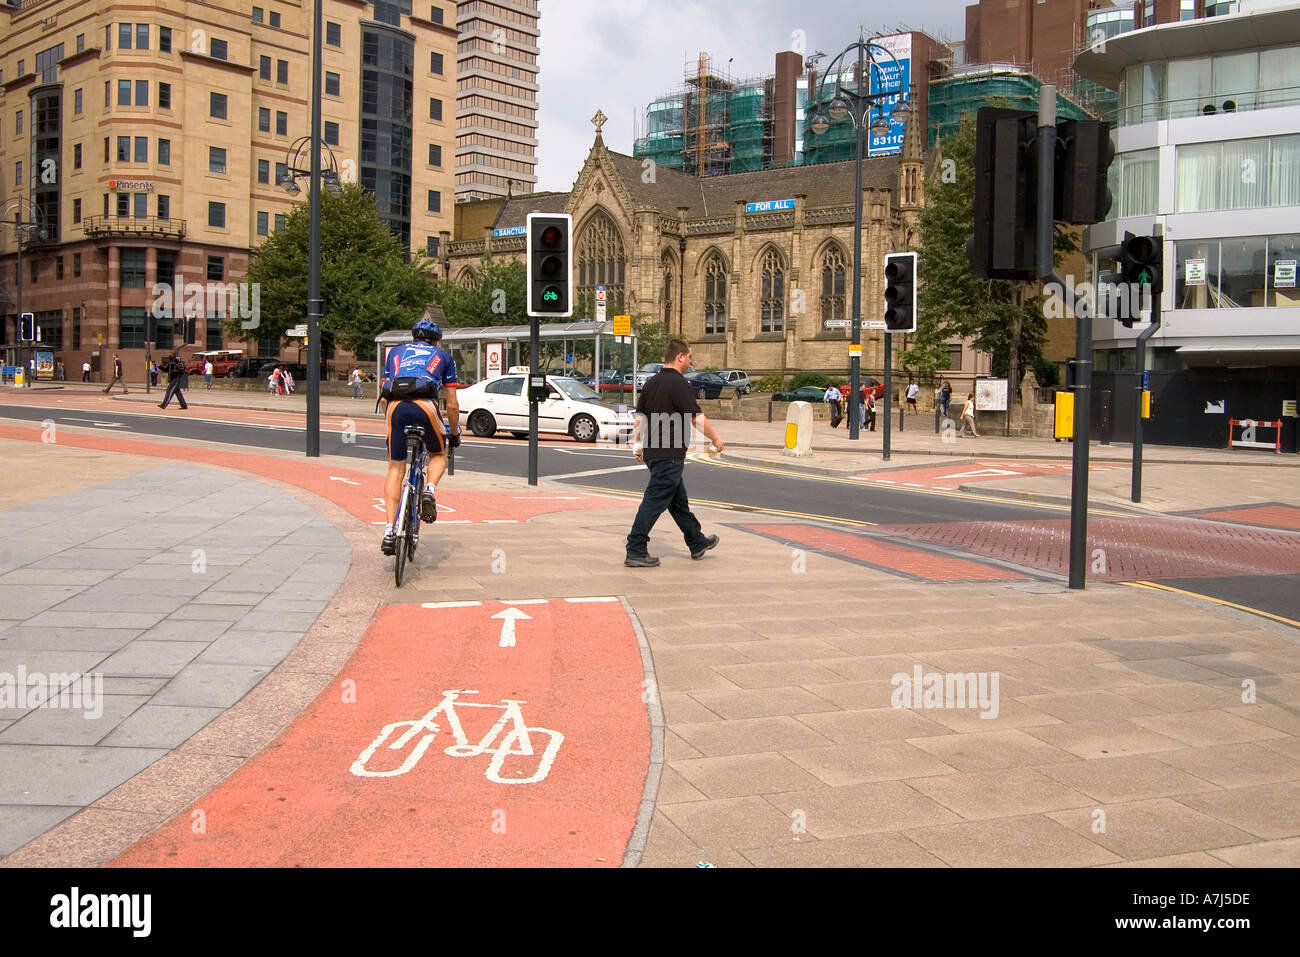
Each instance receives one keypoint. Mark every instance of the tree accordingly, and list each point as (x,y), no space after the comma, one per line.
(367,285)
(499,299)
(1002,317)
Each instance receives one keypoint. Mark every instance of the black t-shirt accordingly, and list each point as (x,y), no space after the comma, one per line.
(668,408)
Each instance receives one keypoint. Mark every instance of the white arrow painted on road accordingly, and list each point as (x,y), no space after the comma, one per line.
(980,473)
(510,616)
(335,478)
(109,425)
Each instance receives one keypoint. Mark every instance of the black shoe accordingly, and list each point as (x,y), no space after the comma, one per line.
(161,406)
(389,544)
(641,561)
(710,542)
(428,507)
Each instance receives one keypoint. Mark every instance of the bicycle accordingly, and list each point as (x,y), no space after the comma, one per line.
(407,526)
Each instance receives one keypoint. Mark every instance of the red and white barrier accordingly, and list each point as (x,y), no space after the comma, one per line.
(1247,440)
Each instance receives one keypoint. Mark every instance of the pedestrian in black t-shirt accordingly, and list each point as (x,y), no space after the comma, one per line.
(666,412)
(117,376)
(175,370)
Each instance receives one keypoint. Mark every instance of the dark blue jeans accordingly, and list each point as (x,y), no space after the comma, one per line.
(665,490)
(174,391)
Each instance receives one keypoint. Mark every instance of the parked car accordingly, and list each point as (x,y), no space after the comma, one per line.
(875,388)
(807,393)
(737,378)
(249,367)
(224,361)
(707,385)
(615,381)
(646,371)
(501,404)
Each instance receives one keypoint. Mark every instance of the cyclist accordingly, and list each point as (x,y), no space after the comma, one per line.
(413,373)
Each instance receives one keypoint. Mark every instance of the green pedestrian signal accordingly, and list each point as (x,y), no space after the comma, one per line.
(549,276)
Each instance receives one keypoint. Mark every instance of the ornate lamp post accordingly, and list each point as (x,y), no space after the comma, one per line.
(24,218)
(326,178)
(868,111)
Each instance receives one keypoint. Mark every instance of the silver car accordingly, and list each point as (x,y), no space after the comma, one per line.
(736,378)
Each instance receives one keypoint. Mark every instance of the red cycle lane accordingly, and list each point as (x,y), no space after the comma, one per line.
(473,734)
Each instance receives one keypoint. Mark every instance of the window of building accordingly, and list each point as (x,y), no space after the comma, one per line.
(76,263)
(142,36)
(164,330)
(141,92)
(218,49)
(105,149)
(772,297)
(264,68)
(601,259)
(78,102)
(435,14)
(123,92)
(1187,10)
(263,171)
(1238,174)
(106,204)
(164,96)
(214,334)
(281,123)
(216,269)
(281,171)
(217,105)
(164,39)
(1236,81)
(131,272)
(124,36)
(435,154)
(76,210)
(431,247)
(833,285)
(216,159)
(76,156)
(1135,183)
(333,34)
(108,95)
(124,149)
(435,201)
(123,205)
(282,71)
(217,215)
(35,270)
(81,42)
(1191,87)
(331,133)
(58,267)
(263,223)
(18,174)
(435,63)
(130,327)
(280,220)
(257,14)
(76,327)
(141,150)
(164,206)
(715,296)
(1283,256)
(1279,77)
(165,270)
(435,108)
(1242,272)
(264,119)
(140,205)
(275,19)
(18,123)
(108,37)
(164,152)
(331,83)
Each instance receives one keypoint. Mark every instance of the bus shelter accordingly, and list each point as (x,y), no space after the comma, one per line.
(469,345)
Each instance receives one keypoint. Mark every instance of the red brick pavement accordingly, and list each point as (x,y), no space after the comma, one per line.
(1273,516)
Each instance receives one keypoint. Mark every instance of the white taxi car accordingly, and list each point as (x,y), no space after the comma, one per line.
(571,408)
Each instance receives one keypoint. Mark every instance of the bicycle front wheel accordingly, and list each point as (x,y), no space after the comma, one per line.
(403,524)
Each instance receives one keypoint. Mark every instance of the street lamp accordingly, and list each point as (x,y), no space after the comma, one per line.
(24,217)
(870,111)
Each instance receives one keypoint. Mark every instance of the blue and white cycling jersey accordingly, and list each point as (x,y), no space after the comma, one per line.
(422,360)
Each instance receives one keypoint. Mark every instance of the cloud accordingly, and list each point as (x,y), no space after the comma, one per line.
(618,55)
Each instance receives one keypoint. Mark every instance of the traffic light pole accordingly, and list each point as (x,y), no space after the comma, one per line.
(888,397)
(534,360)
(1142,338)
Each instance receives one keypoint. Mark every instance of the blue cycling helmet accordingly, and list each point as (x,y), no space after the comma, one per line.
(427,329)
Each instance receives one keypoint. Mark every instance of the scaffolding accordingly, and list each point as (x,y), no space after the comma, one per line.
(711,125)
(970,88)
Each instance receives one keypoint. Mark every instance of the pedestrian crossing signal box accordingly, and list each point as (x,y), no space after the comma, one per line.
(1063,425)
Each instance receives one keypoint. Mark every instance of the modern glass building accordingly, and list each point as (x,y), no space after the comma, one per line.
(1208,156)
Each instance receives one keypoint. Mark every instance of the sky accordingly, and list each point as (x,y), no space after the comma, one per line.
(618,55)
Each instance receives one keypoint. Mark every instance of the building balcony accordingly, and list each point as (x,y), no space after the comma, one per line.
(100,226)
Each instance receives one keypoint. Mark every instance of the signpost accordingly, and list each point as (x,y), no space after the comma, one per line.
(600,304)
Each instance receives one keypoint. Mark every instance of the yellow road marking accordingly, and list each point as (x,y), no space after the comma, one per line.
(708,459)
(1156,586)
(736,507)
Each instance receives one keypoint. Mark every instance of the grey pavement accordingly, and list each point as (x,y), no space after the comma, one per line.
(171,593)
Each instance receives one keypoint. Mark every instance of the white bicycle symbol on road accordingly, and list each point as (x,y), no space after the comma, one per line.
(517,740)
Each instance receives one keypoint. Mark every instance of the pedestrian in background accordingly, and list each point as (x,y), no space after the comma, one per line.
(968,417)
(666,412)
(175,370)
(355,381)
(913,390)
(832,398)
(85,372)
(207,373)
(945,396)
(870,406)
(117,376)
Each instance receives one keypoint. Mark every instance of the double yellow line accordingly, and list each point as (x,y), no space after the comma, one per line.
(1156,586)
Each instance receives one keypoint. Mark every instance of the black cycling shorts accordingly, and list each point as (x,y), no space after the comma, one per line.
(421,412)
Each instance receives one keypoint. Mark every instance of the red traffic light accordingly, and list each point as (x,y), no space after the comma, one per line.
(551,236)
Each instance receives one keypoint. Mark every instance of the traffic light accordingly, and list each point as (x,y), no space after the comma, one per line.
(1006,189)
(550,264)
(1140,273)
(1083,155)
(900,292)
(27,327)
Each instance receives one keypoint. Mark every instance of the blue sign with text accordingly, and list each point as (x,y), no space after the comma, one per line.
(510,231)
(770,206)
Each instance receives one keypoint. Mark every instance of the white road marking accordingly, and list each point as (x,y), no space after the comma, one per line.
(451,604)
(526,601)
(579,601)
(980,473)
(573,475)
(107,425)
(335,478)
(501,521)
(551,498)
(510,616)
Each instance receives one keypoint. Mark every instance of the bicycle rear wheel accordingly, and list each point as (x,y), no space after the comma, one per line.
(403,524)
